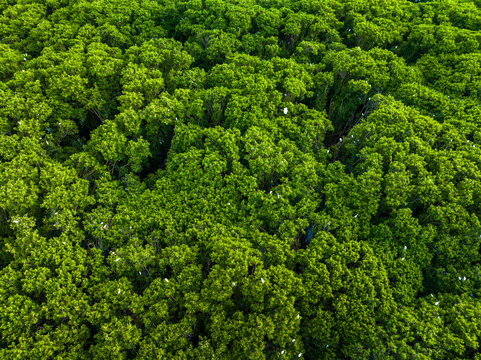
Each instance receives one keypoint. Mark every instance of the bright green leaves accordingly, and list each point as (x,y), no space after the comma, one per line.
(348,297)
(115,339)
(139,84)
(118,152)
(165,190)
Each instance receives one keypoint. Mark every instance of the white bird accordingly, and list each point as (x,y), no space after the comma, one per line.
(140,272)
(405,247)
(464,278)
(282,352)
(15,221)
(459,278)
(329,152)
(300,354)
(118,291)
(46,141)
(355,216)
(436,303)
(166,279)
(116,260)
(262,279)
(327,345)
(63,242)
(278,196)
(298,316)
(233,283)
(228,204)
(293,340)
(285,110)
(402,259)
(340,139)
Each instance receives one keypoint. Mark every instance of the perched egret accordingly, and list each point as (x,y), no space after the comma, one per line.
(402,259)
(118,292)
(300,354)
(282,352)
(166,279)
(285,110)
(262,280)
(436,303)
(293,340)
(116,260)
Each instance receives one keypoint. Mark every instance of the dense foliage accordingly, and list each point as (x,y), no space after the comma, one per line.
(240,179)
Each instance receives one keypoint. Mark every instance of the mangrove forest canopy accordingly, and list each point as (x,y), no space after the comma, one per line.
(240,179)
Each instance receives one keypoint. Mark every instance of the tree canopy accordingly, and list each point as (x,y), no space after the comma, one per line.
(240,179)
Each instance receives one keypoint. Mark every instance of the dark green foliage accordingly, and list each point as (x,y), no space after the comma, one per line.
(253,179)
